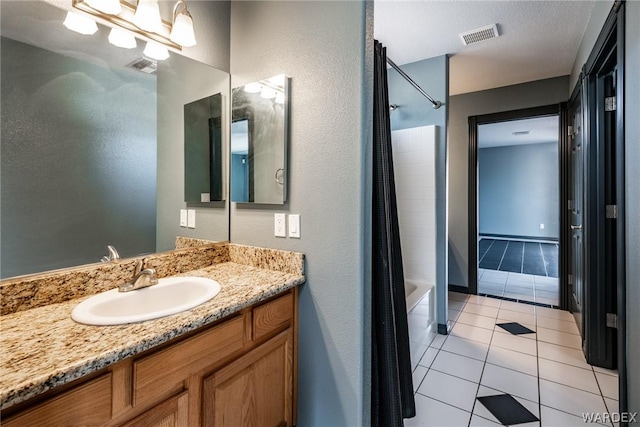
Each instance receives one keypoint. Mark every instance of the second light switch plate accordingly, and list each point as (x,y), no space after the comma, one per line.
(294,226)
(191,218)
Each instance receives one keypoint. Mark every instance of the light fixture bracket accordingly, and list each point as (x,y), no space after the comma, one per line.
(128,10)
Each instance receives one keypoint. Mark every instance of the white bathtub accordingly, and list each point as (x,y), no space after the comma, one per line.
(416,290)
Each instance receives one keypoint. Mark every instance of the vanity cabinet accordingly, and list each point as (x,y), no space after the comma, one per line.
(239,371)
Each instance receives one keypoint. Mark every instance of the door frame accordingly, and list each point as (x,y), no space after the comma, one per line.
(560,110)
(612,33)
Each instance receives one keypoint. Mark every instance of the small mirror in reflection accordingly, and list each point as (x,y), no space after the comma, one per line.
(259,141)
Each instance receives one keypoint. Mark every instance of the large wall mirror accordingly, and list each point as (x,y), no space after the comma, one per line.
(259,133)
(93,144)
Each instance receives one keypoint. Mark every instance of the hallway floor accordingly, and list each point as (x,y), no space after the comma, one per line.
(545,370)
(520,287)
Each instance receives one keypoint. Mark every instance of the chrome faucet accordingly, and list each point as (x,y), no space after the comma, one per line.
(141,279)
(113,255)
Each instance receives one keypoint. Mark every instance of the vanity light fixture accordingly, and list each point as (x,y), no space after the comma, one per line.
(121,38)
(156,51)
(111,7)
(80,23)
(182,29)
(147,16)
(143,20)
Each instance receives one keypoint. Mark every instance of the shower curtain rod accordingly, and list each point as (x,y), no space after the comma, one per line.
(436,104)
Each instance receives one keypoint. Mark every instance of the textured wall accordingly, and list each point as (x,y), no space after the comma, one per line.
(518,189)
(326,49)
(533,94)
(72,151)
(632,159)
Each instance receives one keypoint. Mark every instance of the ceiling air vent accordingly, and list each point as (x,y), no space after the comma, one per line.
(479,34)
(145,65)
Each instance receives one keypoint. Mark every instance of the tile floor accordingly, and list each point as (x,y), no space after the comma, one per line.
(545,371)
(523,287)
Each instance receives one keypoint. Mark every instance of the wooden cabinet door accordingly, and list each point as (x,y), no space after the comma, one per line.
(173,412)
(255,390)
(87,404)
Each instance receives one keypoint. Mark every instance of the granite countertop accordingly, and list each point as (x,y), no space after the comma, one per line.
(43,348)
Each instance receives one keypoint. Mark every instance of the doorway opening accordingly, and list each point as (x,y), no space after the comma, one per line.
(518,215)
(515,188)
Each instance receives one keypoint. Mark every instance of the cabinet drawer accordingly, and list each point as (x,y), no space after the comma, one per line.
(162,372)
(270,316)
(85,404)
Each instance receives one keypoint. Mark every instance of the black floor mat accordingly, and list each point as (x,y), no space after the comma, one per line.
(515,328)
(540,259)
(507,409)
(493,256)
(512,259)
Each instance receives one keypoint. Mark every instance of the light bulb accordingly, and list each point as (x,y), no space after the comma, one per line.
(110,7)
(147,16)
(156,51)
(182,30)
(80,23)
(253,88)
(268,93)
(121,38)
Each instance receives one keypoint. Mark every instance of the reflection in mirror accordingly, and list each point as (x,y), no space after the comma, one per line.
(92,144)
(259,141)
(203,150)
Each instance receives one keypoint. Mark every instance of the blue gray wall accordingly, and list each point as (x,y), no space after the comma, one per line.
(71,155)
(632,213)
(414,110)
(525,95)
(327,50)
(518,189)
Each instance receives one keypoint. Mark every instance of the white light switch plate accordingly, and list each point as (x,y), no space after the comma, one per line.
(191,218)
(183,217)
(294,226)
(279,226)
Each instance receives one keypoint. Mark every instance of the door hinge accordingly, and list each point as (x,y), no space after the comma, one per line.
(612,320)
(612,211)
(570,130)
(610,103)
(570,279)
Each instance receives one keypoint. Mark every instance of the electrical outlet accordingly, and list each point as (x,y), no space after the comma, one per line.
(183,217)
(279,226)
(541,226)
(191,218)
(294,226)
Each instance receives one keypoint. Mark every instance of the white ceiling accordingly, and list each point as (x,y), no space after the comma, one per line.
(538,39)
(541,130)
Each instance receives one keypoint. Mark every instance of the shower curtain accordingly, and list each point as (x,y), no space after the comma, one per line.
(391,382)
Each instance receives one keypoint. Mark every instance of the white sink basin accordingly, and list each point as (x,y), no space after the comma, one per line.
(170,296)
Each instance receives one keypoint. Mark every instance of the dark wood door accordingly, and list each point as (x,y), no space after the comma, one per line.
(576,257)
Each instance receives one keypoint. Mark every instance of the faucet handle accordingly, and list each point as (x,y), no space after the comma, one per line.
(138,268)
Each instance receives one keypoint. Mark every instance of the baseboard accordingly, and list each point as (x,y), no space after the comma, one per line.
(509,236)
(444,329)
(460,289)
